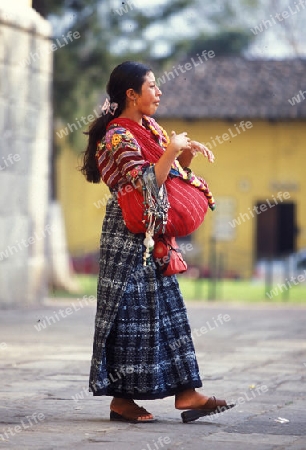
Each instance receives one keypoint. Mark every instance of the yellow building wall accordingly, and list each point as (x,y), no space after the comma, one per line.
(83,204)
(250,167)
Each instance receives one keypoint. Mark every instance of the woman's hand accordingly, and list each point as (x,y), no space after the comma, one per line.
(197,147)
(178,142)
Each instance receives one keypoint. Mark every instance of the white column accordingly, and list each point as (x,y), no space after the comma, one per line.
(25,118)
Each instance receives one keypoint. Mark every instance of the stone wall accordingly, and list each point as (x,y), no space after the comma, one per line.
(25,143)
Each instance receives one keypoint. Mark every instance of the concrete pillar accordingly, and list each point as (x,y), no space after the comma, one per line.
(25,130)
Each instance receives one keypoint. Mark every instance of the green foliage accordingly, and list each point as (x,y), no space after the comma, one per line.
(45,7)
(225,43)
(111,32)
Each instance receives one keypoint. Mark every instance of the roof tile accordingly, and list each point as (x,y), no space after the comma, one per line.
(236,87)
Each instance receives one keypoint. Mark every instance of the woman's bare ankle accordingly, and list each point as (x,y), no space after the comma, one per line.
(118,401)
(190,399)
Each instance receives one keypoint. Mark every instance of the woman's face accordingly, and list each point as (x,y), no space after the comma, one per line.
(148,100)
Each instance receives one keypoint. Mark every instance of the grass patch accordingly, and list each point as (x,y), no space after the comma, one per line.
(244,291)
(205,290)
(88,286)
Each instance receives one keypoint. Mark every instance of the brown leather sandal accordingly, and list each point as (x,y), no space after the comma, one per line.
(212,406)
(132,414)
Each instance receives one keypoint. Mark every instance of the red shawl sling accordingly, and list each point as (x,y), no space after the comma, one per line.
(188,205)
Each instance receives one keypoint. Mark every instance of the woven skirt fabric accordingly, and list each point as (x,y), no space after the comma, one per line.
(143,347)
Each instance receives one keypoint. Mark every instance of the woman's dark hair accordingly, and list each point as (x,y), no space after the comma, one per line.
(128,75)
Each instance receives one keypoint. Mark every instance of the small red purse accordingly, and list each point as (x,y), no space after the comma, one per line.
(168,256)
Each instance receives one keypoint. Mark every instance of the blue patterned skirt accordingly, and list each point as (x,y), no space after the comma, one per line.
(142,347)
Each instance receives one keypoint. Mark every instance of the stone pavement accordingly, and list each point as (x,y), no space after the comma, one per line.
(254,355)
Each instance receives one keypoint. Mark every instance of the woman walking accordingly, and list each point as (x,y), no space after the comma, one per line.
(139,311)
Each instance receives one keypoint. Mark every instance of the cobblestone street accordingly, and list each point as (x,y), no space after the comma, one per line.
(254,355)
